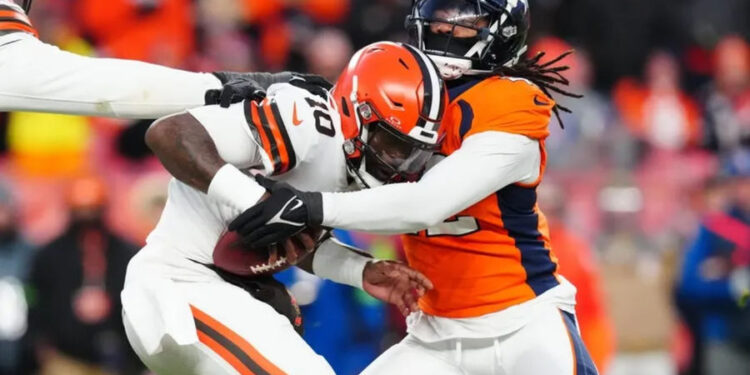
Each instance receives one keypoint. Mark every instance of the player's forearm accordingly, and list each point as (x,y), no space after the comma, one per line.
(337,262)
(482,166)
(185,149)
(40,77)
(204,148)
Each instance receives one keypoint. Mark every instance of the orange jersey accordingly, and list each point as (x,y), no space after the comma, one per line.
(496,253)
(11,19)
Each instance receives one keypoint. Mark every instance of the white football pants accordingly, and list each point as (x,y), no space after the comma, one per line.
(237,334)
(548,345)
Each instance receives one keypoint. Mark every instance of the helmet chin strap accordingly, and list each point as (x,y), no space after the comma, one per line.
(363,179)
(353,170)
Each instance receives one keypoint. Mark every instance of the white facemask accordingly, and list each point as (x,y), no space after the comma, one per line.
(451,67)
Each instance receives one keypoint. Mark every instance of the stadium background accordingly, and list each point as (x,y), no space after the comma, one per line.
(651,157)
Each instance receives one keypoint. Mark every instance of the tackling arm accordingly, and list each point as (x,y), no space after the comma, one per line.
(485,163)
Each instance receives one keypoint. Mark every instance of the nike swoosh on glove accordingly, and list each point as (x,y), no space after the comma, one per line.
(236,88)
(285,213)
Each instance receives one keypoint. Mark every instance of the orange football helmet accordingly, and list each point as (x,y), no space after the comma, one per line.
(391,100)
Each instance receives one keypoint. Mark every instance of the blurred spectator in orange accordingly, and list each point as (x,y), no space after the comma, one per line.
(326,11)
(578,264)
(255,11)
(271,29)
(75,323)
(321,11)
(15,261)
(276,34)
(659,113)
(159,31)
(727,102)
(328,52)
(275,41)
(714,286)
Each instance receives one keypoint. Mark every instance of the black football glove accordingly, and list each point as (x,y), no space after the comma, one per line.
(314,84)
(285,213)
(236,88)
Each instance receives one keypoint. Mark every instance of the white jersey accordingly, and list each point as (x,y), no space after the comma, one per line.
(293,136)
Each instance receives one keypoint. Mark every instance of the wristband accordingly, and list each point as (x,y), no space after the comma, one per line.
(337,262)
(234,188)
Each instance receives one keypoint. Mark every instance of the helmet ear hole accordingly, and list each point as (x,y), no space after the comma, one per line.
(345,107)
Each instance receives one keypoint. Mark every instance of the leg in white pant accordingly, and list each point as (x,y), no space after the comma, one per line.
(411,356)
(548,345)
(237,334)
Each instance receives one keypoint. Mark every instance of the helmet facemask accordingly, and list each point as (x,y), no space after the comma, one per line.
(386,155)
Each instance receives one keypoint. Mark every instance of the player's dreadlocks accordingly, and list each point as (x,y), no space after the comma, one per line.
(547,76)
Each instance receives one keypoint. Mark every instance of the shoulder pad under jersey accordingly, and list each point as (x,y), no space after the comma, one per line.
(513,105)
(288,124)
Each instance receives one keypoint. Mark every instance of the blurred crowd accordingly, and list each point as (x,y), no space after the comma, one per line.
(647,190)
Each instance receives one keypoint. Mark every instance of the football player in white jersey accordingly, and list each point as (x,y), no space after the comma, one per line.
(180,314)
(35,76)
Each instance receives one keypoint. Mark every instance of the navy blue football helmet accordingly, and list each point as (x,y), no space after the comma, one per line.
(500,26)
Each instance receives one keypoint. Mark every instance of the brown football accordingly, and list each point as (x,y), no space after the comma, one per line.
(232,256)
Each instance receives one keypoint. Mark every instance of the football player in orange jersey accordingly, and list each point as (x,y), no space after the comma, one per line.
(498,305)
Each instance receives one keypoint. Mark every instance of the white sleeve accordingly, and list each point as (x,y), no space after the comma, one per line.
(340,263)
(230,132)
(238,147)
(35,76)
(485,163)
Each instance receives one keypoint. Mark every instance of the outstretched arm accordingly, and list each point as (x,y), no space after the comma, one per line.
(485,163)
(41,77)
(35,76)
